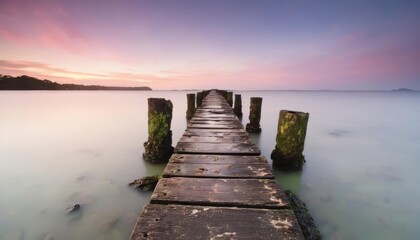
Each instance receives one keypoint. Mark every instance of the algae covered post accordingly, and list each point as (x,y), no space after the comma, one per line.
(190,105)
(238,105)
(290,140)
(254,115)
(158,147)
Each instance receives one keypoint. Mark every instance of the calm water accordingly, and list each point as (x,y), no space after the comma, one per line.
(60,148)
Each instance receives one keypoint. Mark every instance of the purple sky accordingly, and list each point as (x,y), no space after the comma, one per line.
(236,44)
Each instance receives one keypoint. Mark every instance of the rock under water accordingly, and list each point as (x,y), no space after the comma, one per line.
(145,183)
(305,220)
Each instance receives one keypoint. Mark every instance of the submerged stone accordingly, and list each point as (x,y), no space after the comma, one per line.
(145,183)
(305,220)
(74,208)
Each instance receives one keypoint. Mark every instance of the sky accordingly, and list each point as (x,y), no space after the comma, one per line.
(226,44)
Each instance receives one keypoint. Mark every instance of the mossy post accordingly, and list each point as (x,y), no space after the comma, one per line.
(254,115)
(290,140)
(158,148)
(237,109)
(200,96)
(230,98)
(190,105)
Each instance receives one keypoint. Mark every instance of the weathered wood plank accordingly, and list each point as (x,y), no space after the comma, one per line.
(199,131)
(216,159)
(217,148)
(215,111)
(216,126)
(211,133)
(204,223)
(207,170)
(217,122)
(216,139)
(250,193)
(215,118)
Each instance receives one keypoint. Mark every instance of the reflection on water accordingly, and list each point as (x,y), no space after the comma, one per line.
(62,148)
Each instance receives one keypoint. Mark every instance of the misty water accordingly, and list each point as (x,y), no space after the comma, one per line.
(59,148)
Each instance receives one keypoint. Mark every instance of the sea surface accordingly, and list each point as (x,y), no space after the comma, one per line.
(57,148)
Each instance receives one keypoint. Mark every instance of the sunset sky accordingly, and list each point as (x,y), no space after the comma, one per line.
(234,44)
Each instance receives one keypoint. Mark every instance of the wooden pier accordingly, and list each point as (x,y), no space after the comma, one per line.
(217,185)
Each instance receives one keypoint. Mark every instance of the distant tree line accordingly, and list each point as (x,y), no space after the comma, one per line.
(30,83)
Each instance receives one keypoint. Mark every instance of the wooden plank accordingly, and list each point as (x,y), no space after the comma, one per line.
(215,111)
(210,116)
(199,131)
(216,122)
(216,159)
(255,193)
(250,193)
(212,133)
(217,139)
(204,223)
(217,126)
(217,148)
(216,118)
(207,170)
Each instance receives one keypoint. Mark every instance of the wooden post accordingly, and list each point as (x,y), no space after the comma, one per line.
(254,115)
(238,105)
(158,148)
(200,96)
(290,140)
(190,105)
(230,98)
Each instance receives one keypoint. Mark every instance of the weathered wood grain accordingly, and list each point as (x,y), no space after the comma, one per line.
(210,223)
(217,122)
(216,159)
(217,148)
(251,193)
(215,126)
(216,139)
(207,170)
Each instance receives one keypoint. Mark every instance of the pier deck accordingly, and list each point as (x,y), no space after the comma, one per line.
(217,186)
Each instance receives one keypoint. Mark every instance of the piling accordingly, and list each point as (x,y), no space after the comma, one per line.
(254,115)
(230,98)
(158,147)
(290,140)
(190,105)
(200,96)
(238,105)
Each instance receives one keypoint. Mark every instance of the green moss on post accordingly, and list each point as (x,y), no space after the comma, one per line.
(290,140)
(158,148)
(190,105)
(238,105)
(254,115)
(200,96)
(230,98)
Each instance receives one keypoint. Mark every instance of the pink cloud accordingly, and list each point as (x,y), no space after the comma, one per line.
(45,23)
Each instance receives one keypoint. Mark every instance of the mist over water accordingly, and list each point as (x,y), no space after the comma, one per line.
(59,148)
